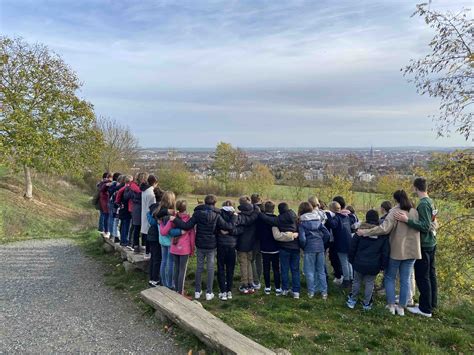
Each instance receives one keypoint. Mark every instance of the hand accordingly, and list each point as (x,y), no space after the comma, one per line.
(401,217)
(224,232)
(183,232)
(172,218)
(360,232)
(171,212)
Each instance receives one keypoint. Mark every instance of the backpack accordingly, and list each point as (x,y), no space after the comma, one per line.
(96,197)
(434,225)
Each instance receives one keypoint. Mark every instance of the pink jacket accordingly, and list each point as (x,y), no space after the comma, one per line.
(185,245)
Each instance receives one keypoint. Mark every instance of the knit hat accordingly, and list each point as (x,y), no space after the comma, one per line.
(372,217)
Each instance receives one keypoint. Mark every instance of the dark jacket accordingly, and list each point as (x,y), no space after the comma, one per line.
(312,234)
(268,244)
(246,227)
(153,233)
(369,255)
(286,222)
(340,226)
(207,219)
(226,240)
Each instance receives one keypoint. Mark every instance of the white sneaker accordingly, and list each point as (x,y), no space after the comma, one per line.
(267,290)
(416,310)
(147,256)
(229,295)
(256,286)
(209,296)
(391,309)
(222,296)
(338,281)
(284,293)
(400,310)
(296,295)
(197,295)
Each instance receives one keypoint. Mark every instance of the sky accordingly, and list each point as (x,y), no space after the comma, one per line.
(253,73)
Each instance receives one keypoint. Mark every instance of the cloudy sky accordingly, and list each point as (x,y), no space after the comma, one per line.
(254,73)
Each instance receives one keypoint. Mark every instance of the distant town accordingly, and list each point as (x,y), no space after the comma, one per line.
(359,164)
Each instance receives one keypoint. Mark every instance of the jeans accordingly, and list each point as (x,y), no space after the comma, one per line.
(273,261)
(166,267)
(346,266)
(114,230)
(155,261)
(315,273)
(179,273)
(334,259)
(405,268)
(100,228)
(290,261)
(110,220)
(208,255)
(256,266)
(124,230)
(245,261)
(425,277)
(225,267)
(104,222)
(369,283)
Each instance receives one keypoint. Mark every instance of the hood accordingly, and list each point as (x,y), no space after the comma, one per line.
(184,216)
(228,209)
(289,217)
(345,212)
(207,207)
(366,225)
(246,208)
(144,186)
(310,216)
(312,225)
(153,206)
(283,207)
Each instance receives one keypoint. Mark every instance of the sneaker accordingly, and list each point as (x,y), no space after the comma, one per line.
(197,295)
(129,247)
(222,296)
(311,295)
(250,289)
(416,310)
(296,295)
(367,307)
(278,291)
(324,296)
(391,309)
(400,310)
(257,286)
(116,240)
(338,281)
(209,296)
(285,293)
(351,302)
(147,256)
(229,295)
(244,290)
(267,290)
(153,283)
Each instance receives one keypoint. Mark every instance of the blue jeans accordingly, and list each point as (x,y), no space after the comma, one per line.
(105,218)
(124,229)
(290,261)
(166,267)
(405,267)
(346,266)
(315,272)
(101,222)
(110,221)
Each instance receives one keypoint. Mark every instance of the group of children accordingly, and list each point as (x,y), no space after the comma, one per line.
(251,233)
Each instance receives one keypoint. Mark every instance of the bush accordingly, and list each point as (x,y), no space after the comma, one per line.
(174,177)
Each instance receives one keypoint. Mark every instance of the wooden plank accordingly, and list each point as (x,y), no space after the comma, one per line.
(130,256)
(192,317)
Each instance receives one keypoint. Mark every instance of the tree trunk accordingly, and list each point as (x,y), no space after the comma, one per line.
(28,184)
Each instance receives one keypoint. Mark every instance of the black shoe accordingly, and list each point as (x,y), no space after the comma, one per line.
(116,240)
(136,250)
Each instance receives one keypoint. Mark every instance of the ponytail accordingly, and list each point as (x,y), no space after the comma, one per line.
(402,198)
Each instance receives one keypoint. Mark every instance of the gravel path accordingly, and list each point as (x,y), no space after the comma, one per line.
(53,299)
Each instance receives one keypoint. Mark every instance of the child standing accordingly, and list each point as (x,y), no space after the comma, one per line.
(182,247)
(368,255)
(154,241)
(311,235)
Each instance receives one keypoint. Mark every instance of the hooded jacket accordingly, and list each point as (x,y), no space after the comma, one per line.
(148,199)
(340,224)
(207,219)
(185,242)
(227,240)
(268,244)
(246,227)
(311,233)
(369,255)
(286,222)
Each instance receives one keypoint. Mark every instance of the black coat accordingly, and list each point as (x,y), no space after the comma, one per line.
(246,229)
(265,235)
(153,233)
(286,222)
(207,219)
(369,255)
(226,240)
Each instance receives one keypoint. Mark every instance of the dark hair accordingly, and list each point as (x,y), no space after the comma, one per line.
(106,175)
(402,198)
(283,207)
(340,200)
(351,209)
(372,217)
(269,207)
(228,203)
(386,205)
(420,184)
(305,207)
(115,176)
(151,180)
(158,194)
(210,200)
(255,198)
(244,200)
(181,205)
(322,205)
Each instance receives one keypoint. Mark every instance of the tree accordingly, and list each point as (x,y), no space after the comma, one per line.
(174,176)
(447,72)
(44,125)
(336,185)
(297,181)
(389,183)
(121,146)
(229,163)
(261,181)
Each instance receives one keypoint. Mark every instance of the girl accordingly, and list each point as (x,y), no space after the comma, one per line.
(181,248)
(312,235)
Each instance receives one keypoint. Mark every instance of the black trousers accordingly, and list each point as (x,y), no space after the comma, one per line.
(136,235)
(425,277)
(335,262)
(155,260)
(226,258)
(271,261)
(145,243)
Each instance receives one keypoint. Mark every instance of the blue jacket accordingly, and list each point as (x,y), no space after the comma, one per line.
(312,233)
(340,226)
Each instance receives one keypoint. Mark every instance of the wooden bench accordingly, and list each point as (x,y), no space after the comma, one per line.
(136,261)
(191,316)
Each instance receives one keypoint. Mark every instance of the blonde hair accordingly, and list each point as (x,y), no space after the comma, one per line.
(334,206)
(128,178)
(168,200)
(141,178)
(313,200)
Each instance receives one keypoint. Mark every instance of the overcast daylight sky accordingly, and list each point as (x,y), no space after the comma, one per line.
(253,73)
